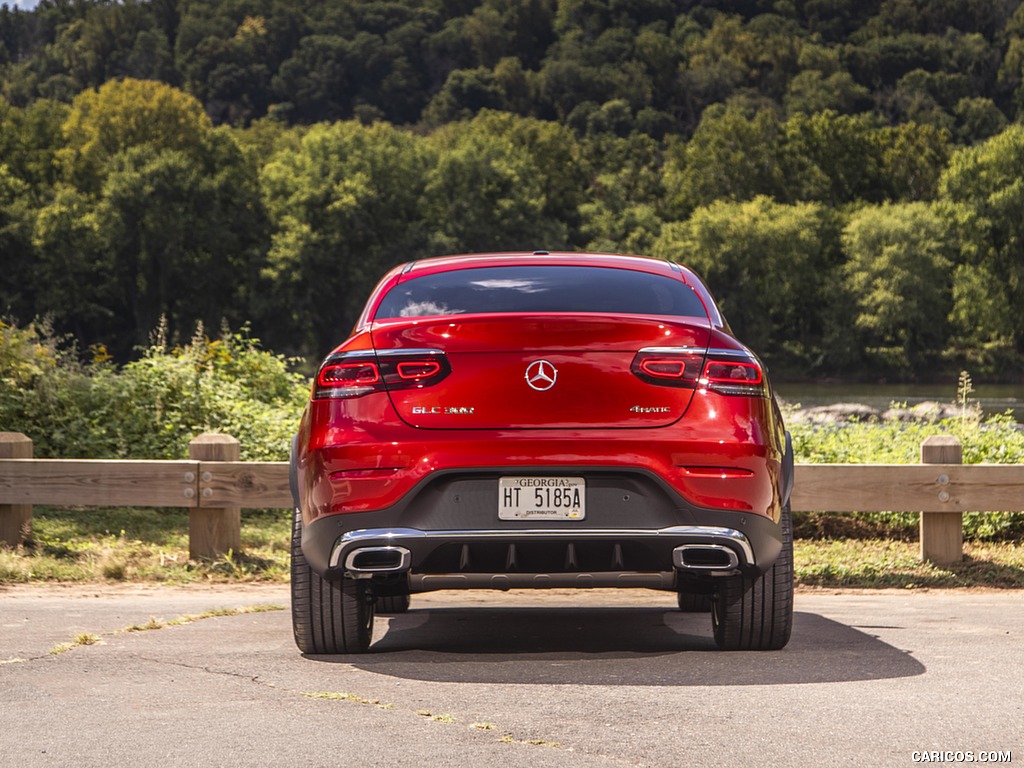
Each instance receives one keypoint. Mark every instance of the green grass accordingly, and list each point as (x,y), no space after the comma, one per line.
(884,563)
(147,545)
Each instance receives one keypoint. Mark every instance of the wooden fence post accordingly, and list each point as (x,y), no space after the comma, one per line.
(212,532)
(942,533)
(15,519)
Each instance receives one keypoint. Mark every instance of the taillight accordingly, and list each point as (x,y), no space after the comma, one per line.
(733,377)
(726,371)
(348,375)
(354,374)
(669,366)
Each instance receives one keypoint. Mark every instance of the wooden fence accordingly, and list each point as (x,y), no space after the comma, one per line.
(215,486)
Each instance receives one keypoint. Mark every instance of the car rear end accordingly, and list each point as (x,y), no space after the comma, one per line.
(537,421)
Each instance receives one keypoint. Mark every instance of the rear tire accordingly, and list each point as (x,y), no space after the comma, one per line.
(392,604)
(327,616)
(757,614)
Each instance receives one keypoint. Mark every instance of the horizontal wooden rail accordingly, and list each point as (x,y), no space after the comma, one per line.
(99,482)
(135,483)
(259,484)
(214,491)
(246,484)
(909,488)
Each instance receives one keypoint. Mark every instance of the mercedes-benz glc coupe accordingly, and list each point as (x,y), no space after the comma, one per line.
(541,420)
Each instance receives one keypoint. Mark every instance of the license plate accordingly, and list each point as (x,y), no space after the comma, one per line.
(542,498)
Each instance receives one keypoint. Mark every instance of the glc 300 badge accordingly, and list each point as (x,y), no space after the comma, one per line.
(448,410)
(541,375)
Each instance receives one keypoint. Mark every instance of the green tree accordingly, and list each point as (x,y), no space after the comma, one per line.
(623,208)
(72,275)
(159,214)
(489,186)
(465,93)
(912,160)
(832,158)
(981,322)
(124,114)
(184,235)
(17,283)
(986,185)
(898,273)
(29,141)
(734,155)
(344,205)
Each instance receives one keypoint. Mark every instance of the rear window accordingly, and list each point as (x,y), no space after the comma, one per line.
(540,289)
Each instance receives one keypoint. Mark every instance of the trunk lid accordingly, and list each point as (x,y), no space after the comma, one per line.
(558,371)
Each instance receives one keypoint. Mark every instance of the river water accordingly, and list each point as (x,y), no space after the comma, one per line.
(993,398)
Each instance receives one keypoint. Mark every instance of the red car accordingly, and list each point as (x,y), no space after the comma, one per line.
(541,420)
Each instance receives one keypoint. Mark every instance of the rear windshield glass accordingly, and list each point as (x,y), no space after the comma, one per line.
(540,289)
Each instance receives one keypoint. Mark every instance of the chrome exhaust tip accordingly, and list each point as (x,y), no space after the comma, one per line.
(369,560)
(705,557)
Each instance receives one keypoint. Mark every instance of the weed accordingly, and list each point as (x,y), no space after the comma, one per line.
(153,623)
(508,739)
(334,696)
(82,638)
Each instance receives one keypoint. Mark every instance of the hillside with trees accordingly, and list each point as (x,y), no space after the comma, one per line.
(848,176)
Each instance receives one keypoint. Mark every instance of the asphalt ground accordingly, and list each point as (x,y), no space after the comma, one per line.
(526,678)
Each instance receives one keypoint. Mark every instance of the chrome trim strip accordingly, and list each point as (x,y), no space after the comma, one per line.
(355,354)
(426,582)
(395,535)
(673,350)
(359,354)
(404,352)
(741,353)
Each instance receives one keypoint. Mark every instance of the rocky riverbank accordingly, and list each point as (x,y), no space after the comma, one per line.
(845,413)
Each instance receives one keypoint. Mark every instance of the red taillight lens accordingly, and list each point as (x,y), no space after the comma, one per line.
(725,371)
(349,374)
(733,373)
(719,372)
(354,374)
(417,371)
(344,377)
(668,367)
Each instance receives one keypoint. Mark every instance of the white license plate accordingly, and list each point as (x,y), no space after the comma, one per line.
(542,498)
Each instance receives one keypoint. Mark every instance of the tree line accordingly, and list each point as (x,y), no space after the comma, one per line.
(849,182)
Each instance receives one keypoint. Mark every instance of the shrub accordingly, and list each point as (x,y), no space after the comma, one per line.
(152,407)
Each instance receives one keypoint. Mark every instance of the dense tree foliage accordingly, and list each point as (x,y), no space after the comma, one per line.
(846,175)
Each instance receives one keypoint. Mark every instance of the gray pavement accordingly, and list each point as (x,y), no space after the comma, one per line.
(528,678)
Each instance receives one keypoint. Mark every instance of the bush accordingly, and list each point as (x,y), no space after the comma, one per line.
(152,407)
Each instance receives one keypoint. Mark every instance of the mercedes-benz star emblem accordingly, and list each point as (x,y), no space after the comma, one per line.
(541,375)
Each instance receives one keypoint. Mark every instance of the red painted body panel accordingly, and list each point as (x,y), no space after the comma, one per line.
(340,439)
(717,451)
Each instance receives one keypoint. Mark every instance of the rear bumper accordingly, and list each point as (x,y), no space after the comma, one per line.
(434,525)
(707,544)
